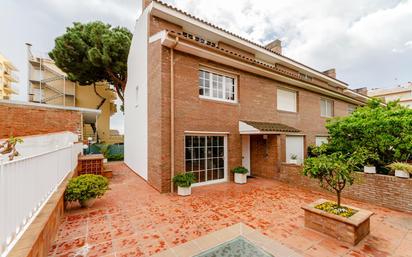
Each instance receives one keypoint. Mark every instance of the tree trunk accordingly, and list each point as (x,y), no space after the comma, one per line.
(338,195)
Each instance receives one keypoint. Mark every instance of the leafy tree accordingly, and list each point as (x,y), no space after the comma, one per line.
(94,52)
(336,170)
(384,130)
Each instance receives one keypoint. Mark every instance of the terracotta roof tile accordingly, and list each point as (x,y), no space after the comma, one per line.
(271,127)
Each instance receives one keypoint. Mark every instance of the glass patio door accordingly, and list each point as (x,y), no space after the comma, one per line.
(205,157)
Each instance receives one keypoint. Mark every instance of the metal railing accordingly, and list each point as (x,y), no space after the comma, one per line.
(25,186)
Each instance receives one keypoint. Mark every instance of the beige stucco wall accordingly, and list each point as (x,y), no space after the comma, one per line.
(86,97)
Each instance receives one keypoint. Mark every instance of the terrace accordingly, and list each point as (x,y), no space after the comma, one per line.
(133,219)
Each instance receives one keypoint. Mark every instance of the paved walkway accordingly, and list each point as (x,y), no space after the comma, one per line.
(133,219)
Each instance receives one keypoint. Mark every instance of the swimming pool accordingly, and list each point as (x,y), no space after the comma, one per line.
(237,247)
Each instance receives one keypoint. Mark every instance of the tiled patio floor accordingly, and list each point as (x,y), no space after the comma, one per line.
(133,219)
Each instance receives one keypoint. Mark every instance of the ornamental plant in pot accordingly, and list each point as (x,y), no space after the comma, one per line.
(369,167)
(240,175)
(86,189)
(184,182)
(402,170)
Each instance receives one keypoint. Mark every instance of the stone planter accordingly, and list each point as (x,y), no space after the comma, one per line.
(369,169)
(401,174)
(184,191)
(240,178)
(87,203)
(351,230)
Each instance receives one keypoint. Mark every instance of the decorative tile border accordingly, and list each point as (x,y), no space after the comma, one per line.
(219,237)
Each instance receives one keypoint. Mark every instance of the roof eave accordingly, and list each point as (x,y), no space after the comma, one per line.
(165,11)
(168,41)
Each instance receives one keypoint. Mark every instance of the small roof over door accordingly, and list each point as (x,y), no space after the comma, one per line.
(257,127)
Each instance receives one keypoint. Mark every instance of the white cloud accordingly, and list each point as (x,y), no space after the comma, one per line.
(358,38)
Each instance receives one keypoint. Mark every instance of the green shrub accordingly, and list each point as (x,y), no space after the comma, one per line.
(86,187)
(401,166)
(184,179)
(115,157)
(333,208)
(384,129)
(240,170)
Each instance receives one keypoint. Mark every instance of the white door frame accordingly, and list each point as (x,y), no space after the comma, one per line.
(225,142)
(246,152)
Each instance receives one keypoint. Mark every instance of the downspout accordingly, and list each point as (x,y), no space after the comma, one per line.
(172,115)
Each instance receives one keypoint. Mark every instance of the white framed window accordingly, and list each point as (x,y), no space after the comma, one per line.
(286,100)
(351,108)
(326,107)
(320,140)
(205,156)
(217,86)
(294,149)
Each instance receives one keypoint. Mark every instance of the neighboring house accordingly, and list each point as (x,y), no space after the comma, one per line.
(7,78)
(403,93)
(201,99)
(47,84)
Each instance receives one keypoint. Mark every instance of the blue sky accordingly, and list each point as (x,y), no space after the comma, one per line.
(368,42)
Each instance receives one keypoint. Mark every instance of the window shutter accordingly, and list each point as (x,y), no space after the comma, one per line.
(286,100)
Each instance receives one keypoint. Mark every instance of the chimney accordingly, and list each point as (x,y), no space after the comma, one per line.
(145,3)
(275,46)
(362,91)
(331,73)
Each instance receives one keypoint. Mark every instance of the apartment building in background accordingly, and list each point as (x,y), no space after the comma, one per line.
(201,99)
(47,84)
(403,93)
(8,77)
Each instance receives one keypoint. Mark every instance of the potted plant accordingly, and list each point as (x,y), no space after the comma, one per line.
(85,189)
(184,182)
(240,175)
(335,171)
(371,158)
(9,147)
(402,170)
(293,159)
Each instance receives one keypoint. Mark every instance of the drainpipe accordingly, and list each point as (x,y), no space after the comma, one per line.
(172,115)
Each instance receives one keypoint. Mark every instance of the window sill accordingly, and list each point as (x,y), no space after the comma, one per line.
(218,101)
(287,112)
(292,164)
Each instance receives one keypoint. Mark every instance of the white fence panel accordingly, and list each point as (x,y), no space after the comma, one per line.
(26,184)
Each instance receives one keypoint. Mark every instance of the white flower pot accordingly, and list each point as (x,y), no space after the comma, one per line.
(87,203)
(184,191)
(401,174)
(240,178)
(293,162)
(369,169)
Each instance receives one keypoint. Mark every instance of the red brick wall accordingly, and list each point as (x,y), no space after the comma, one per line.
(257,101)
(383,190)
(26,120)
(263,156)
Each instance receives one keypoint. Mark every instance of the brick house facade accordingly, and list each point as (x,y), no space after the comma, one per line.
(194,89)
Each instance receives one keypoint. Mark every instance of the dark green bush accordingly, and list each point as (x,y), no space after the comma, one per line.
(240,170)
(86,187)
(184,179)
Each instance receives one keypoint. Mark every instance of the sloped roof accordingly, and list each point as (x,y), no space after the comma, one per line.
(241,38)
(271,127)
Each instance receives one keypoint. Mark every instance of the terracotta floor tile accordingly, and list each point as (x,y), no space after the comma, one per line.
(101,249)
(70,245)
(133,219)
(99,237)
